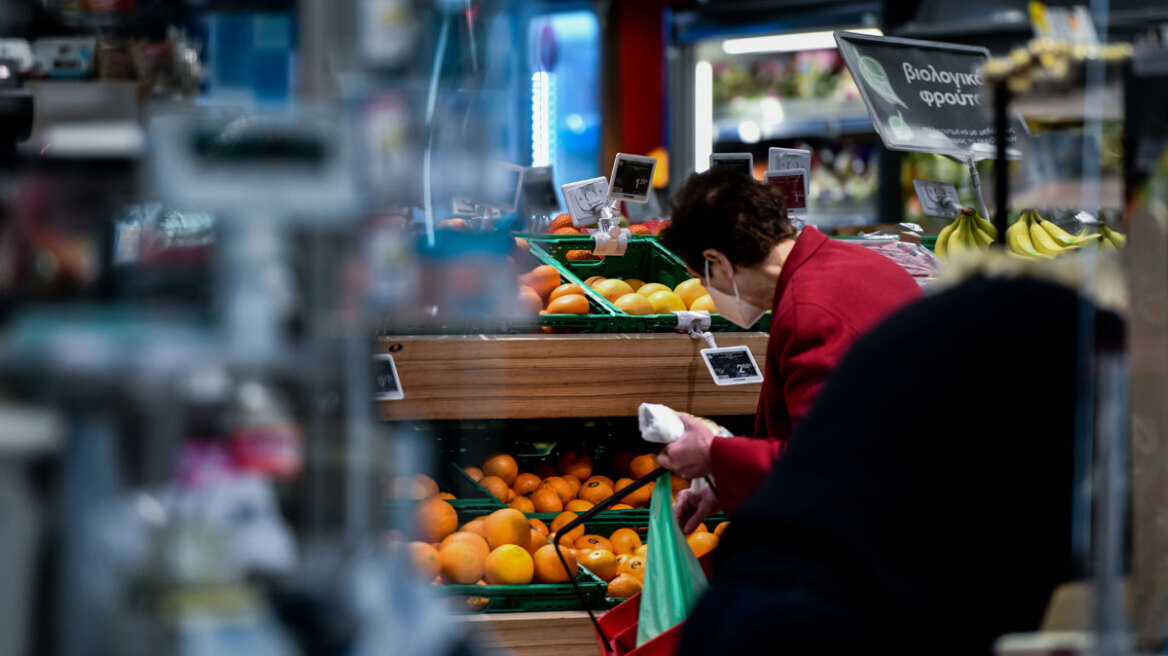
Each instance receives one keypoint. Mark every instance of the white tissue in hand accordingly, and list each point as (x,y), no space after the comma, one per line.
(659,423)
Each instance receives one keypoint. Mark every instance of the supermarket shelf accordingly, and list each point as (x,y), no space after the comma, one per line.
(547,376)
(1068,107)
(566,633)
(1067,195)
(825,127)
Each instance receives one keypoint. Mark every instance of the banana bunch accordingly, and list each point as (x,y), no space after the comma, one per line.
(1110,240)
(970,233)
(1032,237)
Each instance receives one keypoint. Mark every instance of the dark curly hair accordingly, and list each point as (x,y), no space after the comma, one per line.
(729,212)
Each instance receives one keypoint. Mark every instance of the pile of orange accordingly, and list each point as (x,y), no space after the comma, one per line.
(568,485)
(636,297)
(542,291)
(416,488)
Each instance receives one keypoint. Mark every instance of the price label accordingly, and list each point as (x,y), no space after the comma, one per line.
(732,365)
(793,185)
(937,199)
(779,159)
(386,384)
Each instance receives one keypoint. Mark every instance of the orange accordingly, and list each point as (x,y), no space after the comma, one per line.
(562,220)
(634,304)
(653,288)
(612,289)
(406,487)
(600,562)
(436,520)
(620,506)
(473,526)
(701,529)
(526,484)
(461,563)
(474,472)
(579,505)
(624,540)
(521,244)
(567,230)
(456,224)
(634,567)
(503,466)
(623,587)
(543,279)
(510,495)
(562,520)
(590,542)
(564,290)
(496,486)
(641,497)
(549,569)
(545,470)
(529,301)
(634,283)
(690,291)
(664,302)
(574,463)
(641,466)
(622,559)
(704,303)
(545,500)
(591,282)
(642,551)
(561,487)
(569,304)
(428,484)
(573,483)
(721,528)
(509,564)
(576,255)
(603,479)
(537,540)
(595,492)
(522,504)
(507,526)
(424,559)
(473,539)
(638,229)
(447,496)
(702,543)
(538,525)
(678,483)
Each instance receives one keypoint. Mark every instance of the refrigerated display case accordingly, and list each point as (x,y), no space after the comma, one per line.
(748,85)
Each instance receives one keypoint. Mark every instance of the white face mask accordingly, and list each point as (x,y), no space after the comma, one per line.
(736,310)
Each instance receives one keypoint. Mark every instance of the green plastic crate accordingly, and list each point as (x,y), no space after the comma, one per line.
(535,597)
(644,260)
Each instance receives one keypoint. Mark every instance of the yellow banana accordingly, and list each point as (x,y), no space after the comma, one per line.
(1056,233)
(1043,241)
(982,237)
(962,240)
(1117,238)
(941,247)
(1105,246)
(1018,239)
(986,227)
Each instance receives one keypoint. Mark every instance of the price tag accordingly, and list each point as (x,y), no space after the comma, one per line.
(779,159)
(742,162)
(632,178)
(732,365)
(386,384)
(793,185)
(938,199)
(586,200)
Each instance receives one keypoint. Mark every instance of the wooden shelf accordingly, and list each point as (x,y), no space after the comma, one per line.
(548,376)
(565,633)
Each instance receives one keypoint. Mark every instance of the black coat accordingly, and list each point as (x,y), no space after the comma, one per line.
(924,506)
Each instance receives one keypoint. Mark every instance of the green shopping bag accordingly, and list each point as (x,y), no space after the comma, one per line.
(673,577)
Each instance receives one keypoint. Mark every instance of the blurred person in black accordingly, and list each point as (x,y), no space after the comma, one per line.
(925,504)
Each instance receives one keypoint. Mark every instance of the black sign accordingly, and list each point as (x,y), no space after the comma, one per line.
(539,191)
(926,96)
(793,187)
(385,381)
(632,177)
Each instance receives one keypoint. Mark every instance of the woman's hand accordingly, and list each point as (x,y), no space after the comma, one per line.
(692,508)
(689,455)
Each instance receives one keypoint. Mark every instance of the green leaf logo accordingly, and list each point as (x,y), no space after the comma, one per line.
(873,73)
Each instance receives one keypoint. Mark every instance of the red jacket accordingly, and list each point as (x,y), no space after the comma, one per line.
(829,293)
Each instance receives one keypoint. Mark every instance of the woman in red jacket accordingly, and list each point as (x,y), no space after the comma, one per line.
(735,233)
